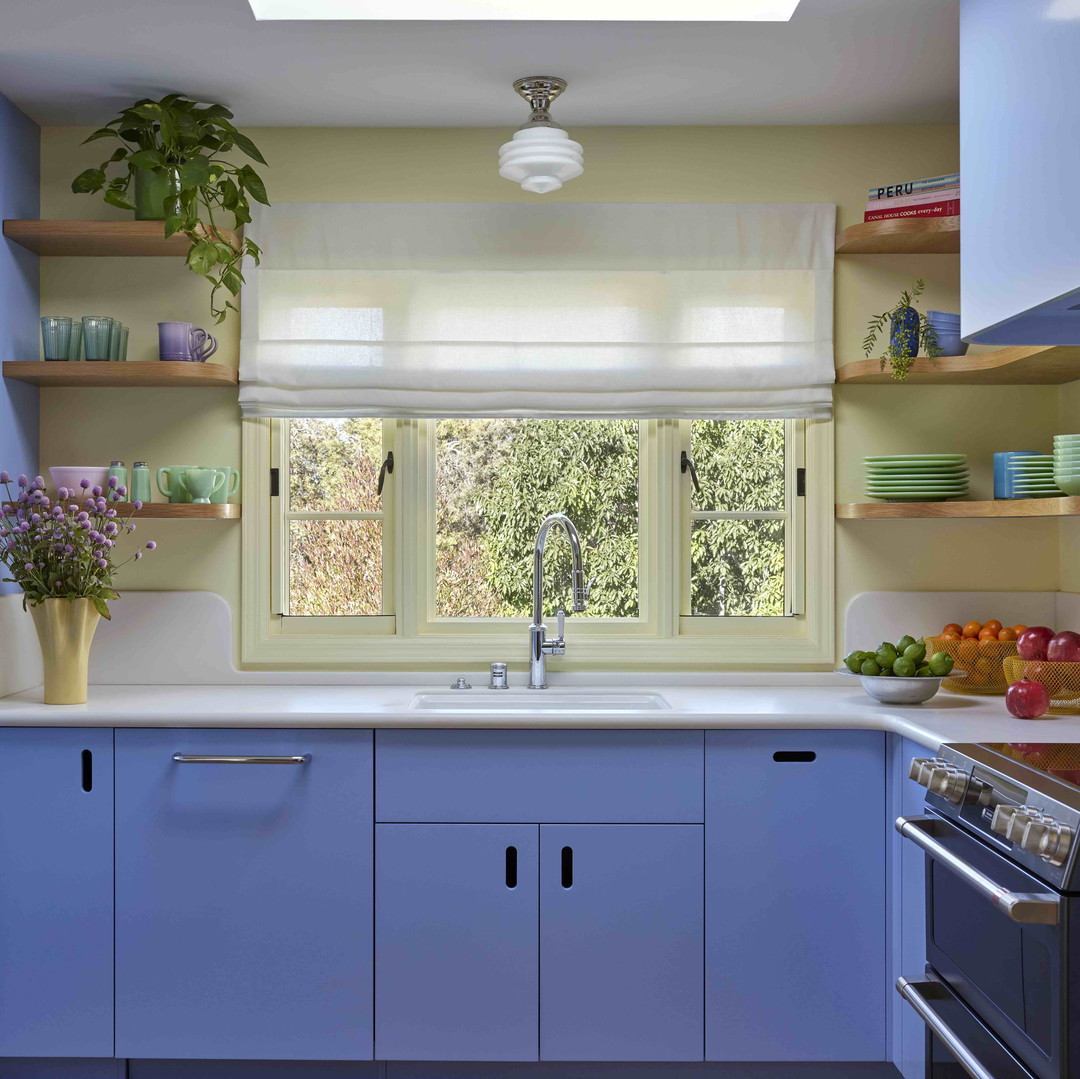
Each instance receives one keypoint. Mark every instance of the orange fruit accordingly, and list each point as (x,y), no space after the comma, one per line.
(988,633)
(993,624)
(1007,634)
(953,627)
(951,635)
(1019,628)
(968,649)
(972,629)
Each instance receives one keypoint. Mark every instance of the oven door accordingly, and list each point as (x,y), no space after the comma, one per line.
(995,938)
(958,1044)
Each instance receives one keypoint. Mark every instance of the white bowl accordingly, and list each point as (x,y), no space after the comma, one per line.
(69,476)
(891,689)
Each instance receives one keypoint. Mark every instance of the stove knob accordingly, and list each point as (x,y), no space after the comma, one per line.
(1003,816)
(1019,819)
(949,782)
(916,770)
(1048,839)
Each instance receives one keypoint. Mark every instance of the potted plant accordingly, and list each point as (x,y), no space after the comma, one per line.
(61,555)
(175,167)
(910,333)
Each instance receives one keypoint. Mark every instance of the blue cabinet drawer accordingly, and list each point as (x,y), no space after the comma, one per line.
(550,777)
(244,895)
(795,896)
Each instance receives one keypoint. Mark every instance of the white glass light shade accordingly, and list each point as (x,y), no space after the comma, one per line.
(541,159)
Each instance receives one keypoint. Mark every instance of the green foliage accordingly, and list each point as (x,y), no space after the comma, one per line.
(185,145)
(901,356)
(737,567)
(495,482)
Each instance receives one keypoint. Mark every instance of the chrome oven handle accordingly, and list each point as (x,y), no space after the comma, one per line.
(916,993)
(189,758)
(1033,908)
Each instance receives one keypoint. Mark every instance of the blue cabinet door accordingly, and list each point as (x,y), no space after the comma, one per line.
(456,942)
(795,895)
(56,893)
(244,896)
(621,942)
(907,897)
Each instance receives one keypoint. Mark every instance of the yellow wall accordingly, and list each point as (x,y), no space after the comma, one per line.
(678,164)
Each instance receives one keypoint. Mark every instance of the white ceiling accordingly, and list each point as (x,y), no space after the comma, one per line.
(835,62)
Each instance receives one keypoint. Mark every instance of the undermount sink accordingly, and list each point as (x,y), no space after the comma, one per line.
(537,700)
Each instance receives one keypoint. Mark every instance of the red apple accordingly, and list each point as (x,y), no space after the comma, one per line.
(1026,699)
(1031,644)
(1064,648)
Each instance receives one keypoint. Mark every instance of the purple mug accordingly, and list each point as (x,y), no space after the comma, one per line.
(181,341)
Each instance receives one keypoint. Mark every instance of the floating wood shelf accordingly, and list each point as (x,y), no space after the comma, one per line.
(103,374)
(101,238)
(180,511)
(1013,366)
(1003,507)
(903,236)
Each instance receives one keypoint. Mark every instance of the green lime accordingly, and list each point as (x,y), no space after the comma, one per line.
(916,652)
(886,657)
(904,667)
(870,667)
(941,663)
(886,672)
(924,671)
(904,643)
(854,661)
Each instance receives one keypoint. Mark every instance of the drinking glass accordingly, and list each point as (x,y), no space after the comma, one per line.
(96,331)
(75,352)
(56,337)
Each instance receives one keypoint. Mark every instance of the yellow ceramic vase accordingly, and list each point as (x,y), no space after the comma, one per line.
(65,628)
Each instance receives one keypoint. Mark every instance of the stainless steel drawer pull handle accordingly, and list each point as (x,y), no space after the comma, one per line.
(919,995)
(1031,908)
(190,758)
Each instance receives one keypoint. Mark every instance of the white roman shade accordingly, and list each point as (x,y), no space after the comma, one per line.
(557,310)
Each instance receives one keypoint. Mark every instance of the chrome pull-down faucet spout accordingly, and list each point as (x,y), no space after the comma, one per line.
(539,646)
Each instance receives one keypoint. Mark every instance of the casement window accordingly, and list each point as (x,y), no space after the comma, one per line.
(404,542)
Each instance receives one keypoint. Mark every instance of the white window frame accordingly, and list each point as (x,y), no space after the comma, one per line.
(662,637)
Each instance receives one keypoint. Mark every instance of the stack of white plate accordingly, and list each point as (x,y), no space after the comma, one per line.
(917,477)
(1067,463)
(1033,477)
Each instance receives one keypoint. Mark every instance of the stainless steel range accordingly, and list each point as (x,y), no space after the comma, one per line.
(1001,995)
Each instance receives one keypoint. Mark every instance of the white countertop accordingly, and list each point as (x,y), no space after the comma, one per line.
(831,703)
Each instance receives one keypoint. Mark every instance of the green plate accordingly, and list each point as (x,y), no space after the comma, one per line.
(961,474)
(918,458)
(915,498)
(877,492)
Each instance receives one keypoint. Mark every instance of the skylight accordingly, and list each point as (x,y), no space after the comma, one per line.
(551,11)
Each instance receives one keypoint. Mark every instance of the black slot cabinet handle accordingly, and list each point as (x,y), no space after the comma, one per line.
(568,867)
(87,770)
(511,867)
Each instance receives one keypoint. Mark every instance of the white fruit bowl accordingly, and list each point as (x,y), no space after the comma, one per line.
(894,690)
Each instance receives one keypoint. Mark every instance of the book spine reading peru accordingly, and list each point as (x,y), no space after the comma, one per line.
(936,196)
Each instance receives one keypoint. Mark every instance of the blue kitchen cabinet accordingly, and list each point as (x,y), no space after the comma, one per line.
(907,895)
(621,942)
(456,909)
(56,893)
(795,896)
(244,895)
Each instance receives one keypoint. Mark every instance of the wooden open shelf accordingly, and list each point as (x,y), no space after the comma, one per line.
(1017,365)
(101,238)
(1002,507)
(103,374)
(180,511)
(903,236)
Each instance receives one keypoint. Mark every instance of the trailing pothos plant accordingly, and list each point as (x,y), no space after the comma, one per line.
(184,145)
(910,333)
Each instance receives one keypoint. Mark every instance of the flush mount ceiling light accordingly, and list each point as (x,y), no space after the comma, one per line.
(552,11)
(541,156)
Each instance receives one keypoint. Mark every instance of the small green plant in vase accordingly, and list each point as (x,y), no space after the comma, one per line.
(176,153)
(910,333)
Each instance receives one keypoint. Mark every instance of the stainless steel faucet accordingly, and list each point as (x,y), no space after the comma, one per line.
(539,646)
